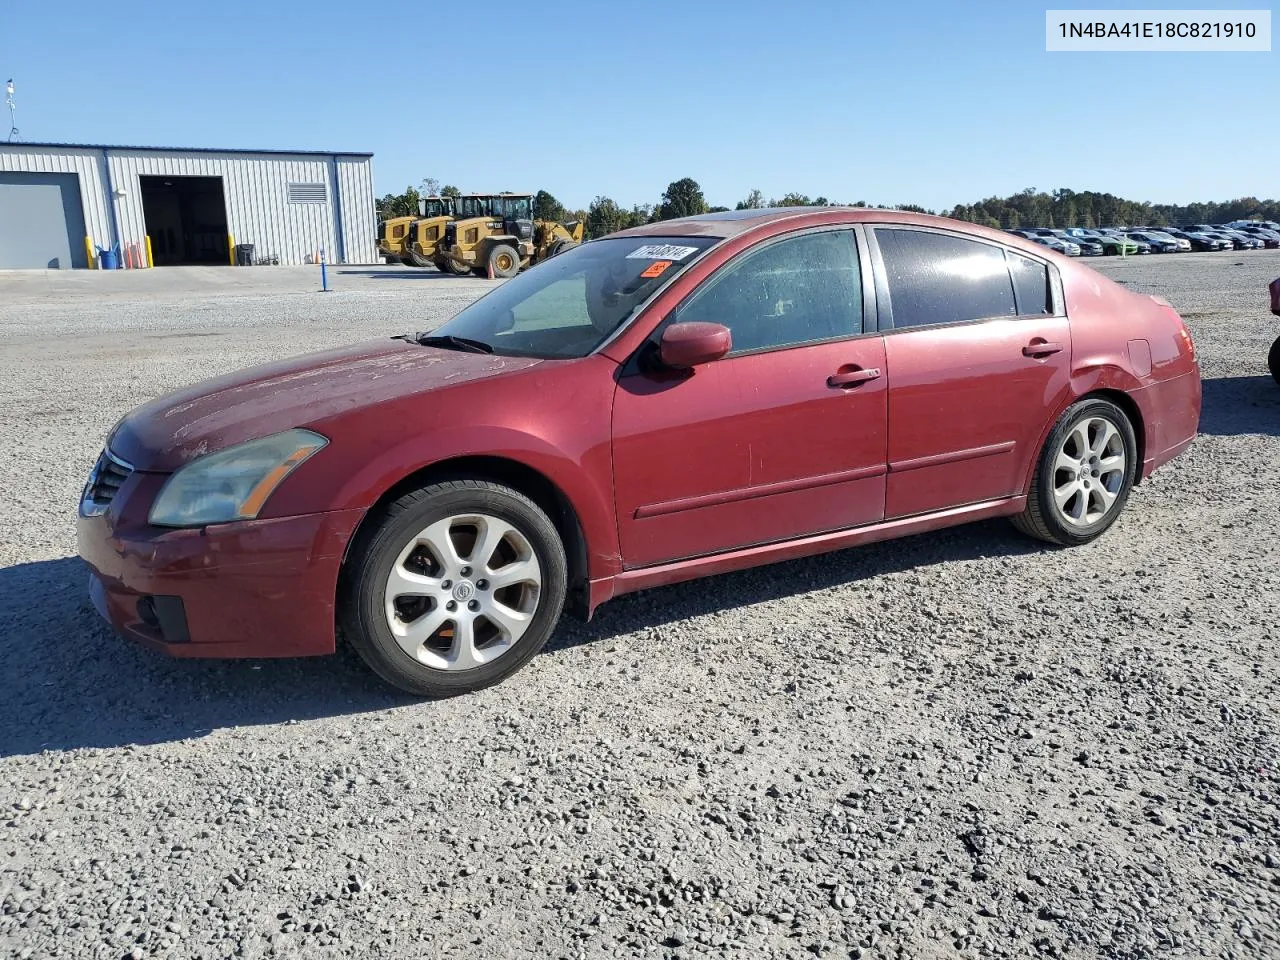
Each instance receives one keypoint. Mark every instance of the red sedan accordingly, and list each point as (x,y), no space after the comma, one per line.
(677,400)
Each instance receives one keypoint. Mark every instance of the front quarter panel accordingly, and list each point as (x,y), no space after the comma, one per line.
(553,418)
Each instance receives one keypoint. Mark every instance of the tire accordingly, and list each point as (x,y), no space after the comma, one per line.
(504,260)
(1104,484)
(390,260)
(445,265)
(1273,360)
(405,261)
(560,246)
(417,259)
(407,539)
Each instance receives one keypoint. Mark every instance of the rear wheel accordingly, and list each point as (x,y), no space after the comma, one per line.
(1083,476)
(456,589)
(1273,360)
(560,246)
(504,260)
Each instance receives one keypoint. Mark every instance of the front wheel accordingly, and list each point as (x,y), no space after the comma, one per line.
(1273,360)
(455,589)
(504,261)
(1083,476)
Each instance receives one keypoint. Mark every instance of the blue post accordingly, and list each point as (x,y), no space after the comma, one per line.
(324,273)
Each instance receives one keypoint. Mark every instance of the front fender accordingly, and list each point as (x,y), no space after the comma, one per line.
(582,475)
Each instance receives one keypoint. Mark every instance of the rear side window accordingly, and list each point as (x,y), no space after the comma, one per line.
(936,278)
(1030,285)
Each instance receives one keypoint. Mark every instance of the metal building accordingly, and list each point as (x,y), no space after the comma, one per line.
(60,203)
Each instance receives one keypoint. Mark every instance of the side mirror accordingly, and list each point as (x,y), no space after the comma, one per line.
(1275,296)
(686,345)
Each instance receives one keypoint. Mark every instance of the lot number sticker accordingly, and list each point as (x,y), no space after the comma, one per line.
(661,251)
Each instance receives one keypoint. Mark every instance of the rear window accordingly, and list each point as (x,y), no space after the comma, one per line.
(936,278)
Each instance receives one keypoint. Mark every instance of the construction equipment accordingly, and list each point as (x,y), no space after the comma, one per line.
(392,234)
(497,235)
(425,233)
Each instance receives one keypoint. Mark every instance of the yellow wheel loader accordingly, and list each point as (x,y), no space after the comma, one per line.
(392,235)
(425,233)
(498,235)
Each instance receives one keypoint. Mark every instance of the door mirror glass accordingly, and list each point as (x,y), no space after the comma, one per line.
(685,345)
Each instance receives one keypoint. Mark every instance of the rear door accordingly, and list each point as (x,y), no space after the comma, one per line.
(978,351)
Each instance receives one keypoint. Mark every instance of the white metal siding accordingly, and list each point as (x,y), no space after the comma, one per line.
(86,164)
(255,187)
(359,215)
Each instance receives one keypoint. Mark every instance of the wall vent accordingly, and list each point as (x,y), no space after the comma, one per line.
(307,193)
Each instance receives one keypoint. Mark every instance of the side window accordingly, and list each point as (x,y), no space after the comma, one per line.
(797,290)
(936,278)
(1030,285)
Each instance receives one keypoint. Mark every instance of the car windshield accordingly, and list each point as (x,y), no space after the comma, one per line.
(568,305)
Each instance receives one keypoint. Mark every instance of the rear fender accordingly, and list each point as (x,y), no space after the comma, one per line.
(1098,378)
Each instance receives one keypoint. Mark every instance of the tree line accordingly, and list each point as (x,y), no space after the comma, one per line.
(1027,208)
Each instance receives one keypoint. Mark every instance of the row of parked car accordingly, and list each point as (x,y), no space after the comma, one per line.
(1115,241)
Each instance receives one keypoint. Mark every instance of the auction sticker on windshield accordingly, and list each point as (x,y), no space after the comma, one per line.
(661,251)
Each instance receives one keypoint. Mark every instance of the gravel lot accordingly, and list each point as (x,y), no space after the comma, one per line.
(963,743)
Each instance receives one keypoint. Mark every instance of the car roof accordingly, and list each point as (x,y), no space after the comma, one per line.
(732,223)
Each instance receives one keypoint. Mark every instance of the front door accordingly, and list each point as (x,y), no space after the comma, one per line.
(784,437)
(978,352)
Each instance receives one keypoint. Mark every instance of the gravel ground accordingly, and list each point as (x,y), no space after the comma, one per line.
(962,743)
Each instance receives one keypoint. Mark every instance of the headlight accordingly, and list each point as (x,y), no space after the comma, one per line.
(232,484)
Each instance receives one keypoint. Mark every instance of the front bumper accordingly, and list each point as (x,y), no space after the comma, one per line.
(257,588)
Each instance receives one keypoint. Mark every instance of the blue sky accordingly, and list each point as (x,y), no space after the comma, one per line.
(901,102)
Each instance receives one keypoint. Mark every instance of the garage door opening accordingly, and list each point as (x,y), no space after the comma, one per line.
(186,220)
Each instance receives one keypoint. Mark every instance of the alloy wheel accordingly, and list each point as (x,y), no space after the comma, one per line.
(1089,471)
(463,591)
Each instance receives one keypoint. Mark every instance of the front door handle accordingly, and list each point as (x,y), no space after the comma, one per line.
(852,378)
(1041,348)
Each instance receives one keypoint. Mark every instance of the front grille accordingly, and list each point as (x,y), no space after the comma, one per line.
(108,476)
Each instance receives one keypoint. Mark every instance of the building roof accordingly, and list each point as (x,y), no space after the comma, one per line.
(27,144)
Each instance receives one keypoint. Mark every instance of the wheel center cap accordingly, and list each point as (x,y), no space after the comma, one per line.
(464,590)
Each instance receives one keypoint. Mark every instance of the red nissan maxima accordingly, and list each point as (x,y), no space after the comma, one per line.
(681,399)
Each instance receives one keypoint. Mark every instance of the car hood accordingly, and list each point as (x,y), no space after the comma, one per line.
(167,432)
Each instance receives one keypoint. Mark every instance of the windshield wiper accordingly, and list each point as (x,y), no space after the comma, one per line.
(454,343)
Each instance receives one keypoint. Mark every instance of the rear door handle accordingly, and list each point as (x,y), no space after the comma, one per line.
(1041,349)
(853,377)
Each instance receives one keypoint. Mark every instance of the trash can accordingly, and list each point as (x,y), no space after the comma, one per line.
(109,259)
(244,254)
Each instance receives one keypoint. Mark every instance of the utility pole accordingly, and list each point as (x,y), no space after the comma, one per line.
(13,108)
